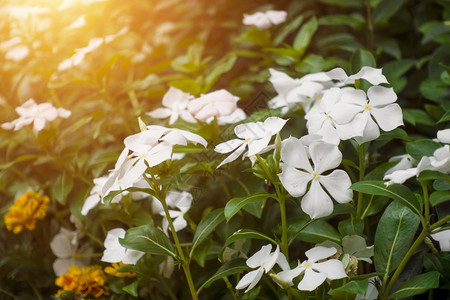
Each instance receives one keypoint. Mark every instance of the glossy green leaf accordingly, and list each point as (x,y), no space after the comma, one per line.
(232,267)
(385,10)
(206,226)
(439,197)
(394,236)
(318,232)
(360,59)
(395,191)
(131,289)
(351,226)
(305,34)
(354,287)
(417,116)
(148,239)
(417,285)
(287,29)
(234,205)
(354,20)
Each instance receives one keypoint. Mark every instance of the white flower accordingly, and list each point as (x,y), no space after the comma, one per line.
(297,172)
(182,201)
(264,260)
(371,292)
(65,246)
(443,237)
(166,267)
(96,195)
(315,272)
(329,113)
(256,135)
(265,20)
(380,106)
(215,104)
(38,114)
(303,91)
(175,102)
(237,116)
(149,147)
(405,161)
(353,245)
(115,252)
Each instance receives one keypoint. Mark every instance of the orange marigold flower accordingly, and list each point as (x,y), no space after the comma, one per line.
(113,270)
(87,281)
(25,211)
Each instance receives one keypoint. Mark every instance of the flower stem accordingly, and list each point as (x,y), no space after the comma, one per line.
(426,203)
(362,169)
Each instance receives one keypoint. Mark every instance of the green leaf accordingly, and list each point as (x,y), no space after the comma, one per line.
(187,85)
(439,197)
(417,285)
(445,117)
(354,287)
(395,71)
(385,10)
(17,160)
(245,234)
(232,267)
(433,175)
(394,235)
(318,232)
(433,89)
(76,126)
(287,29)
(351,226)
(149,239)
(360,59)
(305,34)
(131,289)
(344,3)
(417,116)
(62,187)
(354,20)
(420,148)
(206,226)
(201,251)
(222,66)
(395,191)
(235,204)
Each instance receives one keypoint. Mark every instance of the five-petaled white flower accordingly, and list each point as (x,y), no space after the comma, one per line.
(174,199)
(175,102)
(38,114)
(372,75)
(379,105)
(264,20)
(315,272)
(256,135)
(264,260)
(297,172)
(215,104)
(115,252)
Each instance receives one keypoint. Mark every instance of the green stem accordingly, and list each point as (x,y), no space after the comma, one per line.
(398,271)
(362,169)
(185,263)
(369,24)
(284,241)
(300,230)
(166,287)
(426,203)
(230,287)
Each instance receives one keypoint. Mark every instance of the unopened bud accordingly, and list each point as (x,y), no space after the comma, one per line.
(142,125)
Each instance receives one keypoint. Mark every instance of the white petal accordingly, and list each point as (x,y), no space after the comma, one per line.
(316,203)
(62,265)
(271,260)
(133,174)
(371,131)
(443,237)
(276,16)
(328,132)
(257,259)
(311,280)
(233,155)
(255,146)
(181,200)
(399,176)
(228,146)
(281,82)
(443,136)
(175,98)
(337,74)
(61,246)
(39,124)
(372,75)
(282,262)
(333,268)
(258,19)
(288,275)
(250,279)
(132,256)
(318,253)
(294,181)
(160,113)
(388,117)
(252,130)
(325,156)
(381,96)
(274,124)
(293,153)
(179,223)
(90,203)
(338,185)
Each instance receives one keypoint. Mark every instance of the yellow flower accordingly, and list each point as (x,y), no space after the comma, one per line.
(113,270)
(25,211)
(87,281)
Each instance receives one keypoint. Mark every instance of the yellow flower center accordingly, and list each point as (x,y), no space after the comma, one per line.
(367,107)
(315,175)
(328,116)
(307,265)
(247,140)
